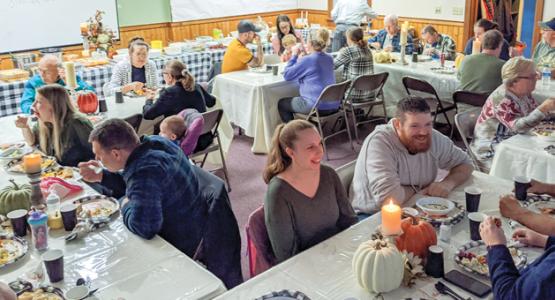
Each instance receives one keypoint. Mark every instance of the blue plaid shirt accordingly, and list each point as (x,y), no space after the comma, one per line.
(395,41)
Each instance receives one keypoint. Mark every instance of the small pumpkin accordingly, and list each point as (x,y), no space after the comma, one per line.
(458,60)
(15,197)
(378,266)
(417,236)
(87,102)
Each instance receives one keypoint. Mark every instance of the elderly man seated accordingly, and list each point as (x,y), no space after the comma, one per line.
(481,73)
(436,42)
(238,57)
(388,38)
(49,72)
(402,158)
(544,54)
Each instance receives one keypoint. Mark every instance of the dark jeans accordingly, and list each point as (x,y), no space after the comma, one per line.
(287,108)
(339,39)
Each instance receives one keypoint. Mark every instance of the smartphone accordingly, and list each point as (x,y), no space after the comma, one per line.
(467,283)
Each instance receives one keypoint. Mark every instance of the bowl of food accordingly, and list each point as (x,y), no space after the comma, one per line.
(435,206)
(545,135)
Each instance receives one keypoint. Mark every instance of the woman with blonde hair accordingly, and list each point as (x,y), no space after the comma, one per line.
(313,72)
(510,109)
(133,74)
(182,93)
(305,202)
(61,131)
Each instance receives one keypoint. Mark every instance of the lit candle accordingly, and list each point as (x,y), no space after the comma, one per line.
(32,162)
(71,79)
(404,33)
(85,53)
(84,29)
(476,46)
(391,219)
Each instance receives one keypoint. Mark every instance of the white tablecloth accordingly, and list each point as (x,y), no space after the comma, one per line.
(523,155)
(118,262)
(250,101)
(324,271)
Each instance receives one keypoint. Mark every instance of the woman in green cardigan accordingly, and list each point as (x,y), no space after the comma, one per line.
(61,131)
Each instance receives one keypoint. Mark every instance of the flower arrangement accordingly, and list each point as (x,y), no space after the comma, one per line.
(94,32)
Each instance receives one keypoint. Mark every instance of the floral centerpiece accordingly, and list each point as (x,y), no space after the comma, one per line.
(96,34)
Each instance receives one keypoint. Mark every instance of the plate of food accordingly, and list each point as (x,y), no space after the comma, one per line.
(543,207)
(443,70)
(42,293)
(435,206)
(14,150)
(12,249)
(472,257)
(545,131)
(452,217)
(16,165)
(98,206)
(262,69)
(136,93)
(62,172)
(383,57)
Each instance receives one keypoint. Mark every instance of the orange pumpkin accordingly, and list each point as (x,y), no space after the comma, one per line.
(417,236)
(87,102)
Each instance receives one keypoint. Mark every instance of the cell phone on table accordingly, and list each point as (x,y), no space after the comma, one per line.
(467,283)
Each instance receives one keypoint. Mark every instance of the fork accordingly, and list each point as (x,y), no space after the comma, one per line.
(445,290)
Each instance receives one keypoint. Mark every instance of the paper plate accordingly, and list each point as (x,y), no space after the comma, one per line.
(12,249)
(477,264)
(98,207)
(284,295)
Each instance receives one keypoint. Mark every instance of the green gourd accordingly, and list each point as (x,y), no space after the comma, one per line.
(15,197)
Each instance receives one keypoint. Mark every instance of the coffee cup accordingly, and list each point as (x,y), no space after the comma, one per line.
(434,262)
(18,219)
(472,195)
(522,183)
(69,215)
(474,220)
(54,263)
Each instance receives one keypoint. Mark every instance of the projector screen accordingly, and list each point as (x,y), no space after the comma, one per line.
(188,10)
(35,24)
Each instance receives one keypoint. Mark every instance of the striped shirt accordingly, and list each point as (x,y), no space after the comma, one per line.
(356,61)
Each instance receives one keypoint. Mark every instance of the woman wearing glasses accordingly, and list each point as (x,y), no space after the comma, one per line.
(510,109)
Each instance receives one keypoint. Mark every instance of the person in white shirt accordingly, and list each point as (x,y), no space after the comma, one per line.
(402,158)
(346,14)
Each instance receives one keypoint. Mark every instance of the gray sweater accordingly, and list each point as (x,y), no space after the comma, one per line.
(385,168)
(296,222)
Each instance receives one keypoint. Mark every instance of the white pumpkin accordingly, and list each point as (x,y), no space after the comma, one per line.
(378,266)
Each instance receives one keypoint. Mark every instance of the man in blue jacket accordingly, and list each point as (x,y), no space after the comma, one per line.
(49,72)
(536,281)
(166,195)
(389,38)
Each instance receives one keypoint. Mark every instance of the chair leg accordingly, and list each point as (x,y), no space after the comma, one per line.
(203,160)
(348,129)
(355,124)
(223,164)
(384,112)
(323,139)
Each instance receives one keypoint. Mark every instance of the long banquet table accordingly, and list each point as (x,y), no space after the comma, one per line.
(324,271)
(119,263)
(198,63)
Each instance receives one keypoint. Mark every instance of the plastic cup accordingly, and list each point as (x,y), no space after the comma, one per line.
(69,215)
(54,263)
(18,218)
(472,195)
(522,183)
(474,220)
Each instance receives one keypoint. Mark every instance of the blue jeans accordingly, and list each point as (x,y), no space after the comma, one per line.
(287,107)
(339,38)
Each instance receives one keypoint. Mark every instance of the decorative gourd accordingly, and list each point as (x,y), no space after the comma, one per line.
(417,236)
(458,60)
(15,197)
(378,266)
(87,102)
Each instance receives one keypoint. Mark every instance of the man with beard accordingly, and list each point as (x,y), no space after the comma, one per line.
(402,158)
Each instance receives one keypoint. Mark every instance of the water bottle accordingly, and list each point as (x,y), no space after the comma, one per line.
(53,204)
(546,76)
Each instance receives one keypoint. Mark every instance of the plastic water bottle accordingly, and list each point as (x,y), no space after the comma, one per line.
(52,204)
(546,76)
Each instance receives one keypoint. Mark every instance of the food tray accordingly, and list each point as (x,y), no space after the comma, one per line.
(98,207)
(12,249)
(479,248)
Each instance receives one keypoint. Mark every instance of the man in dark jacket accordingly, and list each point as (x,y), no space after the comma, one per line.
(163,192)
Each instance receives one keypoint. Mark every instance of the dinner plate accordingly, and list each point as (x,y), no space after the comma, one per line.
(478,264)
(453,217)
(545,131)
(16,165)
(14,150)
(66,173)
(284,295)
(543,207)
(98,207)
(12,249)
(44,292)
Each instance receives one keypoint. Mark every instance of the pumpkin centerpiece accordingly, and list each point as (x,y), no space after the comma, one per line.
(378,266)
(417,236)
(87,102)
(15,197)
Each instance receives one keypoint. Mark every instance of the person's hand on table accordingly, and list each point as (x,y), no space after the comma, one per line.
(150,94)
(491,233)
(388,49)
(376,45)
(88,171)
(22,122)
(133,86)
(539,188)
(437,189)
(530,237)
(510,207)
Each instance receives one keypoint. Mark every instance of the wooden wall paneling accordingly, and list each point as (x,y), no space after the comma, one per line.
(536,37)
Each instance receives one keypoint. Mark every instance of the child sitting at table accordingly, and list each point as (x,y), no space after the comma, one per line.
(173,128)
(288,42)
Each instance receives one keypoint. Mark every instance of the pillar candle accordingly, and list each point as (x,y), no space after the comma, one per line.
(85,53)
(404,33)
(391,219)
(71,80)
(32,162)
(476,47)
(84,29)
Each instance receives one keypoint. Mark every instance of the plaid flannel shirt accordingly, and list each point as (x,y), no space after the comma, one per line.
(356,61)
(445,43)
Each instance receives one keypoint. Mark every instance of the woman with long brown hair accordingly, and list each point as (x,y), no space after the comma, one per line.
(305,202)
(480,27)
(283,28)
(61,131)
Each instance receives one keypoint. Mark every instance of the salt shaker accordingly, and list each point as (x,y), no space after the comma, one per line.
(445,232)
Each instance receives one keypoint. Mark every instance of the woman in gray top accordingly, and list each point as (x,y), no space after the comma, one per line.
(305,202)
